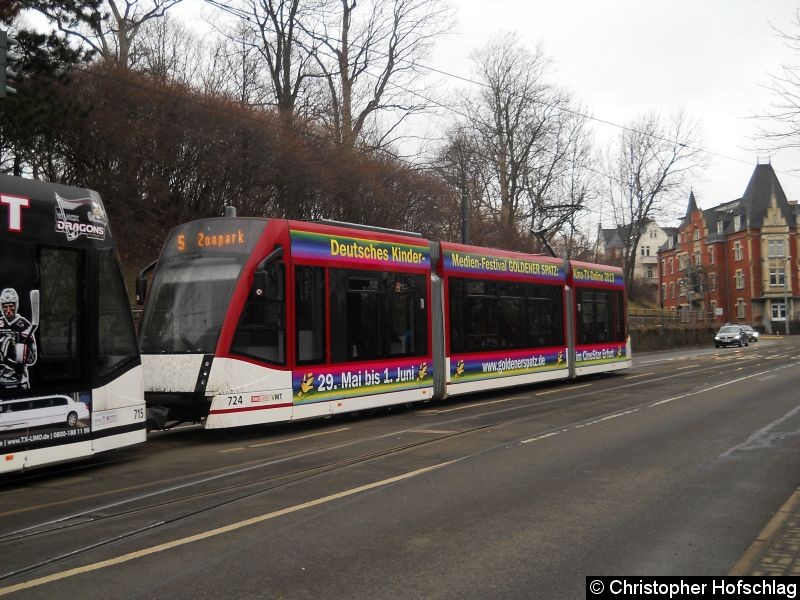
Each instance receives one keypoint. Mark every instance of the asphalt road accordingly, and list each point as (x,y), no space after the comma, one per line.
(671,468)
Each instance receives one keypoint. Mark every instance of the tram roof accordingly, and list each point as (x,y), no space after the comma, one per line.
(52,213)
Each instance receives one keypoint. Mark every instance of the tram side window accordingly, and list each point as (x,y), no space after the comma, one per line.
(597,314)
(116,340)
(545,306)
(377,315)
(261,330)
(310,314)
(491,315)
(18,276)
(62,317)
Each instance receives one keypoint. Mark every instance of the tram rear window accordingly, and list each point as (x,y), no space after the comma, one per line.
(601,316)
(495,315)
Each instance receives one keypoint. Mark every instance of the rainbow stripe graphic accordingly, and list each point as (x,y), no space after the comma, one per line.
(594,275)
(318,384)
(600,354)
(486,264)
(507,364)
(358,251)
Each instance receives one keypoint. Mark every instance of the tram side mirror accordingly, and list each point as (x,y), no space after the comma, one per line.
(141,283)
(141,290)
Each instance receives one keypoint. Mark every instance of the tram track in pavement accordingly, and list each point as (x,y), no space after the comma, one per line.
(99,516)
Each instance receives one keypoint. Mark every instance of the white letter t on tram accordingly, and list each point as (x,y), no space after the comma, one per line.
(15,206)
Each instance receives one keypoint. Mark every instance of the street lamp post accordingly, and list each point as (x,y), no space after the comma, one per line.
(785,292)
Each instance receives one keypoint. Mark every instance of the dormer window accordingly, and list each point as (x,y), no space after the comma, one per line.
(737,222)
(720,227)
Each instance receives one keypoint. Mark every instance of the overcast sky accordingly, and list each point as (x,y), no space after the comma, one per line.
(624,58)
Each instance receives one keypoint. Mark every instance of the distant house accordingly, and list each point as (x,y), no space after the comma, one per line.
(738,260)
(611,248)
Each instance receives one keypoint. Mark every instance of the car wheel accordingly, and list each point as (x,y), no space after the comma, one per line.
(741,343)
(717,345)
(72,419)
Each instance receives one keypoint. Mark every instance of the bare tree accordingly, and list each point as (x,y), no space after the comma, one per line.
(236,68)
(648,168)
(109,27)
(369,54)
(273,31)
(781,121)
(169,51)
(528,132)
(459,164)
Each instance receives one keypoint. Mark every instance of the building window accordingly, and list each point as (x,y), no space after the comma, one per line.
(720,227)
(775,248)
(696,233)
(711,255)
(776,276)
(671,266)
(713,307)
(663,267)
(698,258)
(672,290)
(737,222)
(737,251)
(778,311)
(739,279)
(712,281)
(650,272)
(740,309)
(663,291)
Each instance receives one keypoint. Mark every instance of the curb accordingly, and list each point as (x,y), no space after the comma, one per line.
(765,540)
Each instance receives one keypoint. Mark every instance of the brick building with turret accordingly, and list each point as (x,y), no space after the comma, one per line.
(736,262)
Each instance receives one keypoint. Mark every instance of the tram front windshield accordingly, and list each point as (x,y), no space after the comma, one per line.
(192,288)
(188,306)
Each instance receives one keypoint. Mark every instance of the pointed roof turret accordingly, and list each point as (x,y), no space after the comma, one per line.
(692,205)
(762,188)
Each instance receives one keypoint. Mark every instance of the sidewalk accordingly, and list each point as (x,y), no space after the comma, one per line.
(776,550)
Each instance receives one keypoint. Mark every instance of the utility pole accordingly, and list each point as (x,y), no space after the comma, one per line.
(785,292)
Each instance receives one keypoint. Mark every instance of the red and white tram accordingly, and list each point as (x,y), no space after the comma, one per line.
(261,320)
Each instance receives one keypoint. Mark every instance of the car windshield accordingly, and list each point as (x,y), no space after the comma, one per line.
(747,328)
(730,329)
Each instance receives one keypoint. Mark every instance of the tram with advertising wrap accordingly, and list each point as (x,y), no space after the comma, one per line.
(70,375)
(251,321)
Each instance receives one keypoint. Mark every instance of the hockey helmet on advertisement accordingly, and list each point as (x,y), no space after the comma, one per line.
(9,296)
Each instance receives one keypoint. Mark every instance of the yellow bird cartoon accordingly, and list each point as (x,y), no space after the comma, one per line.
(459,369)
(619,351)
(560,358)
(306,386)
(423,371)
